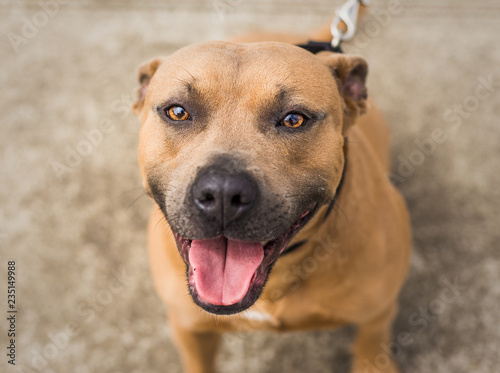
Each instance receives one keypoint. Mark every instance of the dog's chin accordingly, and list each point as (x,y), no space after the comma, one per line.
(224,291)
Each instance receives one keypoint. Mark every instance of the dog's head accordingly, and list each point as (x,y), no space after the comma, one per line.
(240,145)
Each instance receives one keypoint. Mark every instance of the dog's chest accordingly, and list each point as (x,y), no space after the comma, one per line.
(258,316)
(281,319)
(255,319)
(262,317)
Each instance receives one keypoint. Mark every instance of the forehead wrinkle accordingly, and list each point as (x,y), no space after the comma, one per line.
(189,86)
(187,89)
(283,97)
(174,92)
(193,79)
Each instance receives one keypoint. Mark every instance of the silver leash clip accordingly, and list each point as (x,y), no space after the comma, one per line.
(348,14)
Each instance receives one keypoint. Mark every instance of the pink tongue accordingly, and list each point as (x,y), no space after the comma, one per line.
(224,268)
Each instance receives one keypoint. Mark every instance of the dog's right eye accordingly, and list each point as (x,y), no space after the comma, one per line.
(293,120)
(177,113)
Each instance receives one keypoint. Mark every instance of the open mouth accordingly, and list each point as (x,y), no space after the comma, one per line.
(226,276)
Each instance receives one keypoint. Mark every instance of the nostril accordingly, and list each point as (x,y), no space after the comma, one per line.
(206,199)
(236,200)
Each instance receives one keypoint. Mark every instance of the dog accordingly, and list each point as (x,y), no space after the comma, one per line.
(268,165)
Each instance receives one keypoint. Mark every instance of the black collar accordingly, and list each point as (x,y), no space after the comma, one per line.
(320,46)
(329,209)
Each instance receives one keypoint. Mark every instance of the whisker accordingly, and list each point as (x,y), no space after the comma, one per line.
(135,200)
(159,220)
(132,190)
(336,207)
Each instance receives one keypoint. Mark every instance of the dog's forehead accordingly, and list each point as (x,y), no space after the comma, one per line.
(215,53)
(265,64)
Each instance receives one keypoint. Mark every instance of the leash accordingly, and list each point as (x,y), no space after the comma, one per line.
(348,15)
(343,28)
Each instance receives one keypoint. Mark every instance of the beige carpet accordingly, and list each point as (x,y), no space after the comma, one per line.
(70,218)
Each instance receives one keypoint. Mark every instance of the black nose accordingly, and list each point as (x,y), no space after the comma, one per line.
(223,197)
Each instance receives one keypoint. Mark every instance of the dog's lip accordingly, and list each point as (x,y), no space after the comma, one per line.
(272,251)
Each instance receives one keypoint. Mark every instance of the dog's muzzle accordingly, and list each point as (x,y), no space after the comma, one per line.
(232,233)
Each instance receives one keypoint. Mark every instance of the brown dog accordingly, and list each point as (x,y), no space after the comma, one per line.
(265,173)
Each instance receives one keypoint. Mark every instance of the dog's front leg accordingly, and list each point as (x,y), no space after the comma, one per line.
(371,347)
(197,349)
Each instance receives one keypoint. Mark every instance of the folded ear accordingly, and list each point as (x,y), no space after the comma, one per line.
(350,71)
(145,73)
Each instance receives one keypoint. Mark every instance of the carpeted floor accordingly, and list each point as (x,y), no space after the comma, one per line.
(73,214)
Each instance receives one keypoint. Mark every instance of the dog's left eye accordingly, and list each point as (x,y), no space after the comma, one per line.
(177,112)
(293,120)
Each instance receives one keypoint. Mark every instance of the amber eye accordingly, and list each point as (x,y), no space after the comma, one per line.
(177,113)
(293,120)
